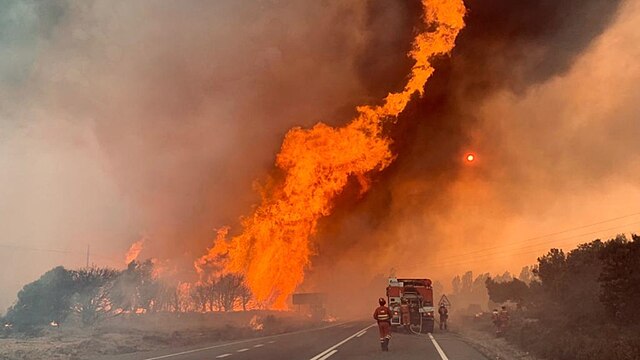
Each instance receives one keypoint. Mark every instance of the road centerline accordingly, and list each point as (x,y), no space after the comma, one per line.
(320,356)
(327,355)
(438,348)
(240,342)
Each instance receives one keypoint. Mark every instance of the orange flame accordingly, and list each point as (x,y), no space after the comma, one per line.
(134,251)
(273,249)
(215,255)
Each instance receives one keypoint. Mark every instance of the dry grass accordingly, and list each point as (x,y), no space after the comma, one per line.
(132,333)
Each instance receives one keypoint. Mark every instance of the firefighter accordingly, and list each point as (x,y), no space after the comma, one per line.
(404,312)
(495,318)
(501,320)
(383,316)
(504,317)
(444,316)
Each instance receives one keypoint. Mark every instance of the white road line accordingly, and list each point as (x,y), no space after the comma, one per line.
(326,356)
(320,356)
(243,350)
(271,342)
(361,333)
(258,345)
(222,356)
(240,342)
(435,343)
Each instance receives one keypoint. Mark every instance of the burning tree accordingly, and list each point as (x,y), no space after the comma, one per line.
(92,292)
(316,164)
(224,293)
(136,288)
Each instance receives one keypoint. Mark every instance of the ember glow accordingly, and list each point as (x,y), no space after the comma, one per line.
(274,248)
(134,251)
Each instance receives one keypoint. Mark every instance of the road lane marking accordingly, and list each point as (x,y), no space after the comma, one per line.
(240,342)
(435,343)
(222,356)
(271,342)
(326,356)
(258,345)
(243,350)
(361,333)
(320,356)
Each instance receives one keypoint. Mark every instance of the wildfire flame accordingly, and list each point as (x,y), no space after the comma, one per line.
(134,251)
(274,247)
(256,323)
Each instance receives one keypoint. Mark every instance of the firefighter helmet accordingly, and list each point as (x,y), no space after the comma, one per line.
(381,301)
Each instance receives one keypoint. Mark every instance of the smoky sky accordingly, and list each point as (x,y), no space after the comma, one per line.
(126,120)
(428,204)
(122,120)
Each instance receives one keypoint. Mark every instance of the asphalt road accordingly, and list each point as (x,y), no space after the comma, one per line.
(351,340)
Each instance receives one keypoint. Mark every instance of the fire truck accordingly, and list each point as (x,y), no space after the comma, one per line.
(417,296)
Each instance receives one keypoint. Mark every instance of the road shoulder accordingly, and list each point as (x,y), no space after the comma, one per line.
(491,346)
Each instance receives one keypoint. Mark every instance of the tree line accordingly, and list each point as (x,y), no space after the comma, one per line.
(584,304)
(96,293)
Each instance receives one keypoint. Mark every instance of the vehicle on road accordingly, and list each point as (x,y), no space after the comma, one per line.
(418,295)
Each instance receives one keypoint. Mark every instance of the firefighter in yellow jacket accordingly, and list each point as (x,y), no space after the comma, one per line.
(383,316)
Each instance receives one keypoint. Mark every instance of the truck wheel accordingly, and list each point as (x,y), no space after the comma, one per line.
(427,326)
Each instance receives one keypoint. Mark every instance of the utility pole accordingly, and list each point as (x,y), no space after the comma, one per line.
(88,256)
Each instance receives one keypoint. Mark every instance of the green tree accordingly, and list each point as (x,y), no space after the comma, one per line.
(550,270)
(514,290)
(620,279)
(44,300)
(525,275)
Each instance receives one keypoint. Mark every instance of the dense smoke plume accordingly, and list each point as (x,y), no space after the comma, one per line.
(316,165)
(534,88)
(113,129)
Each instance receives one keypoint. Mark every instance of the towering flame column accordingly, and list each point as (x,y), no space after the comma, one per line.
(273,249)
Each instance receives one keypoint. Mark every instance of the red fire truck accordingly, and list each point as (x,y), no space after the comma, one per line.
(415,296)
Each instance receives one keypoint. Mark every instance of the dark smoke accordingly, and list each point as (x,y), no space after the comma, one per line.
(507,46)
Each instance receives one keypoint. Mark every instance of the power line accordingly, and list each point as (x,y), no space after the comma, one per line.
(508,253)
(548,235)
(508,248)
(585,226)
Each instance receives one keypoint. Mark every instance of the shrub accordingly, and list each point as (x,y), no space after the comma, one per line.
(44,300)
